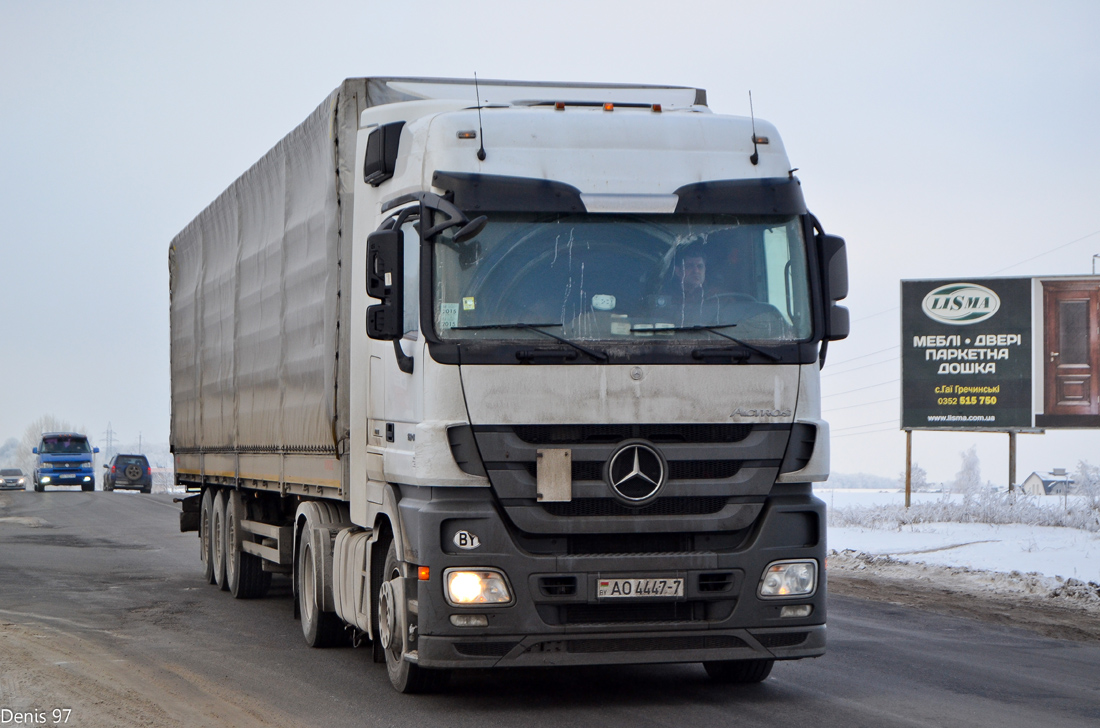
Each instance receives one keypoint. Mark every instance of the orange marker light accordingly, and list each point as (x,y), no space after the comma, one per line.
(609,106)
(423,572)
(559,106)
(657,108)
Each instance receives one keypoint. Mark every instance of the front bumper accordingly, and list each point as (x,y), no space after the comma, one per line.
(66,477)
(612,648)
(544,627)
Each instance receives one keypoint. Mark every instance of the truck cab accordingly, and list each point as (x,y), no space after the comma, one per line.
(593,390)
(64,458)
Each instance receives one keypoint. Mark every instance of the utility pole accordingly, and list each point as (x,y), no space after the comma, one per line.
(110,439)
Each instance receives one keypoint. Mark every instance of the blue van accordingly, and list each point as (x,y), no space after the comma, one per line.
(64,458)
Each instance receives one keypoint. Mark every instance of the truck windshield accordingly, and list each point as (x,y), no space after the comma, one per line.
(56,445)
(625,278)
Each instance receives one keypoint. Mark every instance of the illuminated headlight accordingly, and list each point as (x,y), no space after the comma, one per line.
(87,478)
(45,479)
(22,481)
(476,586)
(789,579)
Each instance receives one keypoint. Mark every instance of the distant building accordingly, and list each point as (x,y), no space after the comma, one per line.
(1056,482)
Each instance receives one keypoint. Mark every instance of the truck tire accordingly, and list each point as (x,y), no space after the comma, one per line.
(739,671)
(320,628)
(392,632)
(206,541)
(244,572)
(217,534)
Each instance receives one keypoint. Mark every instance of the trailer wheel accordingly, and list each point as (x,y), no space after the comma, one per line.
(321,629)
(217,533)
(739,671)
(206,540)
(393,632)
(244,572)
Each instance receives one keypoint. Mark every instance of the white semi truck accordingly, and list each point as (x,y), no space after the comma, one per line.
(508,374)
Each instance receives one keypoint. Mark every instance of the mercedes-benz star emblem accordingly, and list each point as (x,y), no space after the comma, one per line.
(636,472)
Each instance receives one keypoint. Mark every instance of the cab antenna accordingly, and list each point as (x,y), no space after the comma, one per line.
(480,133)
(755,158)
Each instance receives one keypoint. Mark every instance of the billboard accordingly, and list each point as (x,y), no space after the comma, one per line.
(1000,353)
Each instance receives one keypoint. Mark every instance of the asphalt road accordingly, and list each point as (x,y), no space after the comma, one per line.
(103,612)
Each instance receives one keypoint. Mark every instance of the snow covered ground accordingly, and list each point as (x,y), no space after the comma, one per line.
(868,531)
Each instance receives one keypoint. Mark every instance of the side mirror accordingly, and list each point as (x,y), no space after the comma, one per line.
(834,266)
(95,449)
(34,450)
(105,465)
(833,256)
(385,280)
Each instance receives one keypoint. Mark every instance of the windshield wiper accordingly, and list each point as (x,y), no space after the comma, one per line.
(597,355)
(698,353)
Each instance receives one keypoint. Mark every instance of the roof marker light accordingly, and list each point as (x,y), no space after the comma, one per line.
(609,106)
(559,106)
(469,134)
(657,108)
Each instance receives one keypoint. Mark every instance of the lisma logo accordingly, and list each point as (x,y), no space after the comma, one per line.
(960,304)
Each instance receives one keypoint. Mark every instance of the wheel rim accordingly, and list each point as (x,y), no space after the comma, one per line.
(217,541)
(230,544)
(386,616)
(307,584)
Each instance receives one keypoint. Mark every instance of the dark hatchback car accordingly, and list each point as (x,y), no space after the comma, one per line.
(128,471)
(12,479)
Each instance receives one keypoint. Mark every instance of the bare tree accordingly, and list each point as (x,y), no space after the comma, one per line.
(24,458)
(1086,479)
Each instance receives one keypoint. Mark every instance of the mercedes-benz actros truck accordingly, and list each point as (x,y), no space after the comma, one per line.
(507,374)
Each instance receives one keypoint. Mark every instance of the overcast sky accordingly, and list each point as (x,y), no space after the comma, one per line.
(941,139)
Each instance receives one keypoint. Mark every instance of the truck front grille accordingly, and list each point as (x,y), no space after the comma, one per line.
(677,469)
(646,644)
(690,506)
(606,434)
(636,613)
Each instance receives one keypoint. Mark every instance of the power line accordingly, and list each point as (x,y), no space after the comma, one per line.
(1040,255)
(868,432)
(864,404)
(862,356)
(869,424)
(864,366)
(858,389)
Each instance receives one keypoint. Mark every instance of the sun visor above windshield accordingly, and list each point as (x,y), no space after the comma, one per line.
(498,193)
(780,196)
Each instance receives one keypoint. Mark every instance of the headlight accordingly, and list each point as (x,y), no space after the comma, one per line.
(476,586)
(44,479)
(789,579)
(86,464)
(22,481)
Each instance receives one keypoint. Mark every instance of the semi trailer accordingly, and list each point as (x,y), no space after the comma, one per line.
(507,374)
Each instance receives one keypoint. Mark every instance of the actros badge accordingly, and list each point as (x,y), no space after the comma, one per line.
(466,540)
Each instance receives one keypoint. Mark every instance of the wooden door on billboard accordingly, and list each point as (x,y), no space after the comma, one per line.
(1071,313)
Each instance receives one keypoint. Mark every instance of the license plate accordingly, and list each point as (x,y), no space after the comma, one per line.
(643,588)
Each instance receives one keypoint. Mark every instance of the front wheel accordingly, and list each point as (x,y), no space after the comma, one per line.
(393,633)
(739,671)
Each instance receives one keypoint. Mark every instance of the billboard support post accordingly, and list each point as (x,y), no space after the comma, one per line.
(908,467)
(1011,460)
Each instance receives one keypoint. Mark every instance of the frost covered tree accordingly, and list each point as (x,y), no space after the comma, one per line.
(1086,479)
(7,451)
(919,479)
(968,480)
(24,458)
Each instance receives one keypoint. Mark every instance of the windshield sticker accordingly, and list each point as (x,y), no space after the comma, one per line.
(448,315)
(468,303)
